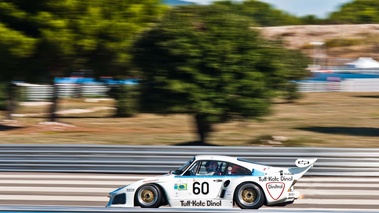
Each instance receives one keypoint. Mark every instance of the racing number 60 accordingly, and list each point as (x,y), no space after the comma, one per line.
(202,188)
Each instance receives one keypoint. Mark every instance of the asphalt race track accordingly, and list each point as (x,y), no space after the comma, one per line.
(75,192)
(68,209)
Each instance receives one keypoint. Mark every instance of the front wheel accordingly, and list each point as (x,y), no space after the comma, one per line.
(249,196)
(149,196)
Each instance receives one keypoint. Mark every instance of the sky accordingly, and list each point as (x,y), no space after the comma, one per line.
(319,8)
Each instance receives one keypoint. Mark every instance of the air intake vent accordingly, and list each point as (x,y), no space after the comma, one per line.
(119,199)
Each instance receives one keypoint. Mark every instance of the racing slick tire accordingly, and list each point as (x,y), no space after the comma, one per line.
(149,196)
(249,196)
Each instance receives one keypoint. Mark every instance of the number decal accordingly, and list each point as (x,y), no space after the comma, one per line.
(196,189)
(205,188)
(202,188)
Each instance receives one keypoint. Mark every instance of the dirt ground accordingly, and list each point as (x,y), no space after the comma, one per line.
(318,119)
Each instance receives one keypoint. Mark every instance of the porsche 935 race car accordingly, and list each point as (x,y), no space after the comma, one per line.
(210,181)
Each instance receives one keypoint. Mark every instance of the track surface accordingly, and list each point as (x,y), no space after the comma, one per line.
(91,190)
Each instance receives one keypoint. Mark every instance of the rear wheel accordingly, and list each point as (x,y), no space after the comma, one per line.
(149,196)
(249,196)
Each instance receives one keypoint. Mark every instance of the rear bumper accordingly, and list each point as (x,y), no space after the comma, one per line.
(290,198)
(294,195)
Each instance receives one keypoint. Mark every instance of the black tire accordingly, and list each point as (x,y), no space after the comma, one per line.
(149,196)
(249,196)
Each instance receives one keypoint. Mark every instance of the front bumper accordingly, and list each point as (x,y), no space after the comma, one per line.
(117,197)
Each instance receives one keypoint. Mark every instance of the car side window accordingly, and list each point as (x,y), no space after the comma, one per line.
(193,170)
(208,167)
(234,169)
(203,169)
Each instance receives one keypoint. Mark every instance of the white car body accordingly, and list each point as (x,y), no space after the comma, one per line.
(238,182)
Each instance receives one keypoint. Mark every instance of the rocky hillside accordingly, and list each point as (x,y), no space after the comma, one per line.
(341,41)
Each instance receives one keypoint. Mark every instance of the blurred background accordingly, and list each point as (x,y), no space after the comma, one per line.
(230,72)
(95,94)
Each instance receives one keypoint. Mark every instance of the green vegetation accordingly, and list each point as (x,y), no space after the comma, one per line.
(127,98)
(2,97)
(260,13)
(214,67)
(343,42)
(40,41)
(356,12)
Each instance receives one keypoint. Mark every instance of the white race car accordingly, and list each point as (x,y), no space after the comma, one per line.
(210,181)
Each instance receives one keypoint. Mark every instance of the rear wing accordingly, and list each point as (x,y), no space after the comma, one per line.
(303,165)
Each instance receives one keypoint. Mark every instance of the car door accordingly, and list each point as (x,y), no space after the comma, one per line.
(199,188)
(205,184)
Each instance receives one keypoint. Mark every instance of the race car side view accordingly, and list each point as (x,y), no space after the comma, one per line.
(212,181)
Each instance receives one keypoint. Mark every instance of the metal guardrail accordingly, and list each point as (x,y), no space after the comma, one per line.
(348,85)
(36,92)
(161,159)
(40,92)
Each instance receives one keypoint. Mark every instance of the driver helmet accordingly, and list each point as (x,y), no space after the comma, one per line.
(211,166)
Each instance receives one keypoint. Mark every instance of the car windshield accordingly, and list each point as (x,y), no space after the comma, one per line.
(183,167)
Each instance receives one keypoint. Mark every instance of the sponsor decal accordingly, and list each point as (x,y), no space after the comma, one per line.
(287,173)
(302,163)
(199,203)
(275,189)
(286,178)
(268,178)
(180,186)
(129,190)
(275,179)
(152,180)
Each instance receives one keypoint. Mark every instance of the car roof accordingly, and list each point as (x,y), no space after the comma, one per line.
(235,160)
(216,157)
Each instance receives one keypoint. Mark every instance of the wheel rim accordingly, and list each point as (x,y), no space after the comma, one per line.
(147,196)
(249,195)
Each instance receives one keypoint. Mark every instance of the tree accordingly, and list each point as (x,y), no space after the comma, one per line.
(260,13)
(356,12)
(15,47)
(89,34)
(311,19)
(207,62)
